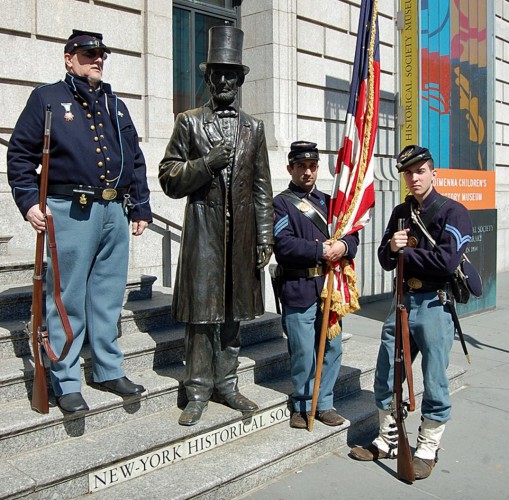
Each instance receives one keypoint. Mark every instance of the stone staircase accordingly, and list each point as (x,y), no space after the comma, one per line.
(134,447)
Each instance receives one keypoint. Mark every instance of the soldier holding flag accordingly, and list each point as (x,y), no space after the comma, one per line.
(302,247)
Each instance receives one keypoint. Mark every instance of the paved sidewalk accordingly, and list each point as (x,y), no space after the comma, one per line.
(474,460)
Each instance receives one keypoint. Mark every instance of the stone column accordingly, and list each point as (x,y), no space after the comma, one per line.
(270,90)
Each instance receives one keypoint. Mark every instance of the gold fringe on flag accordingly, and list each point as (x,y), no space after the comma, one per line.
(337,304)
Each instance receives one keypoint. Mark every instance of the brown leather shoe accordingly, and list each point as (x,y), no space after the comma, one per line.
(423,467)
(330,417)
(369,453)
(298,420)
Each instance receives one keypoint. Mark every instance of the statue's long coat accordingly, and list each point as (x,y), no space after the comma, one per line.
(200,283)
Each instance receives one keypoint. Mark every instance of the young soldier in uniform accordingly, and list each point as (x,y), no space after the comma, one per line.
(97,182)
(427,270)
(302,248)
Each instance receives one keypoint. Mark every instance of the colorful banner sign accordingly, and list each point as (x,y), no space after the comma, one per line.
(444,97)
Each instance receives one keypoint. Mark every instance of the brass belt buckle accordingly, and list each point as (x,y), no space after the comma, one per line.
(313,272)
(109,194)
(414,283)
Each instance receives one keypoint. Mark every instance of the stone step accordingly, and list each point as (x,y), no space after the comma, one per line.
(144,315)
(20,426)
(220,457)
(241,465)
(260,363)
(16,296)
(16,266)
(143,350)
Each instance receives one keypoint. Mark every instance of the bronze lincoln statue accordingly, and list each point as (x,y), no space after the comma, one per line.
(217,158)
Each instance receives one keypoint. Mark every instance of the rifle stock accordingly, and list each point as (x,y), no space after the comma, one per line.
(405,469)
(40,401)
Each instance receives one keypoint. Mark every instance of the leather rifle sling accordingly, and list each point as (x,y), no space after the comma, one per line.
(407,359)
(64,319)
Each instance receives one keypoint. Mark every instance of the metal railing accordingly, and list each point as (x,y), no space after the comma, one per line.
(171,232)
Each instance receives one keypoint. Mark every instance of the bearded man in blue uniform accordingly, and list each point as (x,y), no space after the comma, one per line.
(427,273)
(302,247)
(97,183)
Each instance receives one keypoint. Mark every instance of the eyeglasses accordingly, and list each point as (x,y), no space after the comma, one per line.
(94,54)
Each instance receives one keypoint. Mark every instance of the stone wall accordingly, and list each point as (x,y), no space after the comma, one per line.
(301,56)
(32,36)
(501,114)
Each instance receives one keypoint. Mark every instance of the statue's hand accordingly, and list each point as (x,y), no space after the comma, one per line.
(264,253)
(218,157)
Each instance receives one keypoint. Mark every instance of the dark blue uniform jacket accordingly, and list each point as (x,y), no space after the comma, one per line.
(450,227)
(299,245)
(93,143)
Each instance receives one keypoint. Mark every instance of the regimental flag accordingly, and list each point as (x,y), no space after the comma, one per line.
(353,194)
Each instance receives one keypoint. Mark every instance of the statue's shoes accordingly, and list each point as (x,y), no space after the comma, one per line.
(192,412)
(239,402)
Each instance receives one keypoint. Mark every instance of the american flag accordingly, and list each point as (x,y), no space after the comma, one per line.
(353,193)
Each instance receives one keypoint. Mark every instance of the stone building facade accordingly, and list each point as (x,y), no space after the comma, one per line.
(300,54)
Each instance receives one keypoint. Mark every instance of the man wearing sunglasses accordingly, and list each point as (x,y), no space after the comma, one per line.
(97,185)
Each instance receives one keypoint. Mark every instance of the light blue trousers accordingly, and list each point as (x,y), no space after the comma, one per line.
(93,254)
(302,327)
(431,334)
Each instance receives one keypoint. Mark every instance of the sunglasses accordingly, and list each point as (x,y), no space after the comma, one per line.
(94,54)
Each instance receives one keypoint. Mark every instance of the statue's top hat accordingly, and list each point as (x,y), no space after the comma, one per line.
(225,47)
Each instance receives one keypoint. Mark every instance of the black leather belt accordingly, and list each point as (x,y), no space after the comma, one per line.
(107,194)
(310,272)
(415,285)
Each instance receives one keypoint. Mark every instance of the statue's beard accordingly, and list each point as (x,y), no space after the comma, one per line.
(225,98)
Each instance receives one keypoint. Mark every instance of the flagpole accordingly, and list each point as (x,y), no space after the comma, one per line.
(321,347)
(350,198)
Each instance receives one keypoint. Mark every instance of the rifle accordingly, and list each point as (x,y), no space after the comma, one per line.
(40,336)
(402,367)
